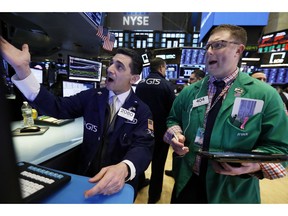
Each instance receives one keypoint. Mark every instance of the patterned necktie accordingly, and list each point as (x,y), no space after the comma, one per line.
(209,126)
(112,105)
(213,113)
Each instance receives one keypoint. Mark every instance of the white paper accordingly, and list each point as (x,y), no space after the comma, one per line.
(246,107)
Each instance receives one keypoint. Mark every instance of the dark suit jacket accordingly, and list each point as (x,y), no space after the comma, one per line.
(131,140)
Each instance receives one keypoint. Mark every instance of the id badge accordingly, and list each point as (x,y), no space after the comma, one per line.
(200,101)
(199,136)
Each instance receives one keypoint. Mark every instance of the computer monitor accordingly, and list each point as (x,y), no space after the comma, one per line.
(145,72)
(38,73)
(84,69)
(185,72)
(70,88)
(171,71)
(192,57)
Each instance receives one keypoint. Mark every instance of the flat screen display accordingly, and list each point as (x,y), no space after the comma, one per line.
(70,88)
(171,71)
(192,57)
(274,42)
(84,69)
(38,73)
(185,72)
(145,72)
(273,59)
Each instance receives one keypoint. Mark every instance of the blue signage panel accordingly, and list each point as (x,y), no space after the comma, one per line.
(211,19)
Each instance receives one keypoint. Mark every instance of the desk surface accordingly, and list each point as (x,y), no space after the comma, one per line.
(73,193)
(56,140)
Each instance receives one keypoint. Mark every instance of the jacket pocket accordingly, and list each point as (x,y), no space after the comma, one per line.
(241,135)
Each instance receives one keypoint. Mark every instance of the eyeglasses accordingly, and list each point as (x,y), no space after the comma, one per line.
(216,45)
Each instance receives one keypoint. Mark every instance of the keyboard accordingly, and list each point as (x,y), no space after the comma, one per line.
(37,182)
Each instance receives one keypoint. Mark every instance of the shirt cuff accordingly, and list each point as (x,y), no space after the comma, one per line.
(170,133)
(132,170)
(28,86)
(273,170)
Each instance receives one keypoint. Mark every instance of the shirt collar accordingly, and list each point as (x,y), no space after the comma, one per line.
(121,97)
(228,79)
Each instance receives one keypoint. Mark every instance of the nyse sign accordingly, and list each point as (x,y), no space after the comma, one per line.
(136,21)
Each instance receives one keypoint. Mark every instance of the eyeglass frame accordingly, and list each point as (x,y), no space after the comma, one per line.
(222,42)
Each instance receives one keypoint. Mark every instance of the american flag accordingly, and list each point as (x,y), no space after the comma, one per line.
(102,32)
(109,42)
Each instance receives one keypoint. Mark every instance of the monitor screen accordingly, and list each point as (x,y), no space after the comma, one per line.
(185,72)
(192,57)
(70,88)
(274,42)
(181,82)
(38,73)
(145,72)
(274,59)
(84,69)
(171,71)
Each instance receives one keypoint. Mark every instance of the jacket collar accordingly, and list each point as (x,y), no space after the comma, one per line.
(157,73)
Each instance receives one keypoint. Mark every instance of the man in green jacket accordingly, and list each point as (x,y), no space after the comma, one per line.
(261,129)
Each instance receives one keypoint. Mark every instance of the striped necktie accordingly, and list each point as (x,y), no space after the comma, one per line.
(112,105)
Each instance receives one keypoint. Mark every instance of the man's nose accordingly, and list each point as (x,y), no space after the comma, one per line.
(110,69)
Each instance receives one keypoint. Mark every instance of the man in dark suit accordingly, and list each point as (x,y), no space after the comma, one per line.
(158,93)
(113,152)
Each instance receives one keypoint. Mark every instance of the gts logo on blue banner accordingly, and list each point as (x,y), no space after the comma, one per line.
(91,127)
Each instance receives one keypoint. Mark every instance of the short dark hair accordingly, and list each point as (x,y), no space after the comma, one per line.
(238,33)
(199,73)
(156,63)
(137,64)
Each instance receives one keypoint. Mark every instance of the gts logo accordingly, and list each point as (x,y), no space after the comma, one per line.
(151,81)
(91,127)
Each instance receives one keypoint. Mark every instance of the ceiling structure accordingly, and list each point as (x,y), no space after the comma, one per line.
(55,35)
(52,35)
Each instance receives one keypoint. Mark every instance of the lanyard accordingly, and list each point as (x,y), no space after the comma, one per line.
(224,91)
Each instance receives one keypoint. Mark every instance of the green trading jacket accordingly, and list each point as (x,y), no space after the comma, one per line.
(265,131)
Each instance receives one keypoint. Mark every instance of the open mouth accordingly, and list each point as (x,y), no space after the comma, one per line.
(109,79)
(212,62)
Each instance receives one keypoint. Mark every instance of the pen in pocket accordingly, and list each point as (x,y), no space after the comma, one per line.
(242,126)
(235,121)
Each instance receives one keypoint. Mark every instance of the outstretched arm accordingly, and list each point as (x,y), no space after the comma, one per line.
(18,59)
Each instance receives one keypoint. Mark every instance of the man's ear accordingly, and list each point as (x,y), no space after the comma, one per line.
(134,78)
(241,49)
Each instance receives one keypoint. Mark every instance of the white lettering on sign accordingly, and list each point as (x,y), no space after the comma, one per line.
(136,20)
(170,56)
(167,56)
